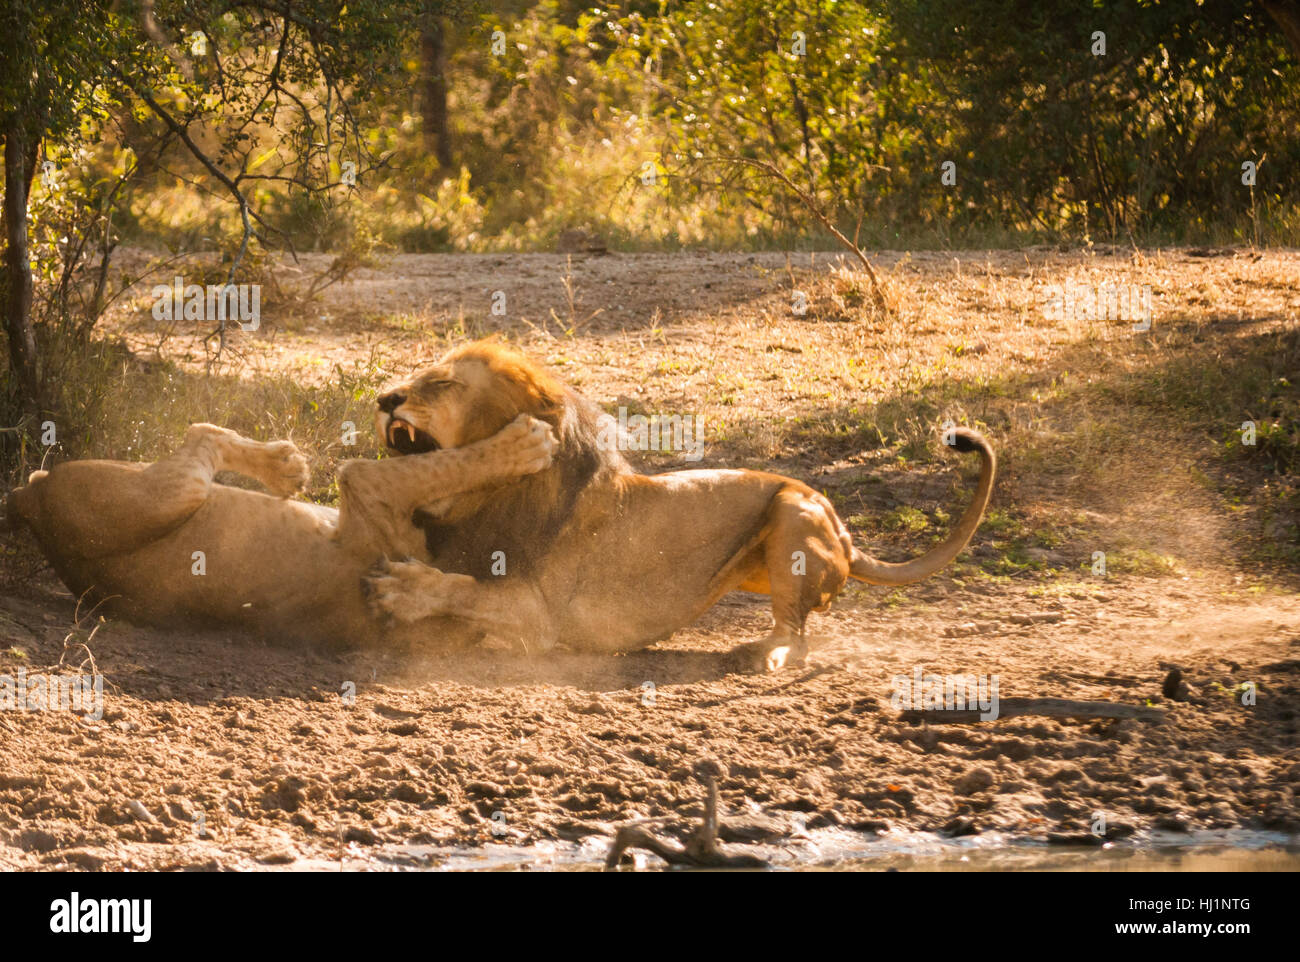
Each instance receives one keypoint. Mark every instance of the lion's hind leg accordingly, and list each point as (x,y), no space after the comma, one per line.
(805,557)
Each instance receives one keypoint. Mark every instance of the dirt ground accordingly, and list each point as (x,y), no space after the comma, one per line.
(218,752)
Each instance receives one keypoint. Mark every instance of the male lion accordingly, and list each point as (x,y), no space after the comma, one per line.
(592,554)
(163,544)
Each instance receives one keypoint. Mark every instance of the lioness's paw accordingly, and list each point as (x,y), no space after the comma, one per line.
(286,471)
(409,591)
(530,444)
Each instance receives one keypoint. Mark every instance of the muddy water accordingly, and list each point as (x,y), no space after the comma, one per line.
(835,850)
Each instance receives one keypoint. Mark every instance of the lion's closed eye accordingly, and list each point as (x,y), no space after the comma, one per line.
(431,389)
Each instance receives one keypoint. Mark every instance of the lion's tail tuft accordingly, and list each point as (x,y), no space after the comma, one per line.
(868,569)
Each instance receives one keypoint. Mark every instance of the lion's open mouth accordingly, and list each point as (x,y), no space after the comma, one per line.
(405,438)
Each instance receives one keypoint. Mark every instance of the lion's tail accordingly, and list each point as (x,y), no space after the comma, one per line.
(868,569)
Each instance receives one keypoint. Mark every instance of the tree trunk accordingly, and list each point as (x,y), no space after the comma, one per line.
(1287,15)
(20,164)
(433,90)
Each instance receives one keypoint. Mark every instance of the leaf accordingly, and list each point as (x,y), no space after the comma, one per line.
(263,159)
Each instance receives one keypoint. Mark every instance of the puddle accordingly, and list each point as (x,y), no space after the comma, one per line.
(836,850)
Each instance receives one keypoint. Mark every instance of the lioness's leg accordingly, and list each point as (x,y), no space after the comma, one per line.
(378,498)
(98,508)
(277,464)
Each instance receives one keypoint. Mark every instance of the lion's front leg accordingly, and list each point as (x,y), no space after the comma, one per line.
(378,498)
(410,592)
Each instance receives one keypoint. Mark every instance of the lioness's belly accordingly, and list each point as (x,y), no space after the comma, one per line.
(246,560)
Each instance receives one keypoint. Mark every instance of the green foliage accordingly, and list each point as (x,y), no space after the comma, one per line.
(859,105)
(1149,136)
(51,59)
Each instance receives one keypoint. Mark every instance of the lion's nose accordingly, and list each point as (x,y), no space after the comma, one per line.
(390,402)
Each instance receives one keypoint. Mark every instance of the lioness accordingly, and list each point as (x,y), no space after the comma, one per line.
(163,544)
(590,553)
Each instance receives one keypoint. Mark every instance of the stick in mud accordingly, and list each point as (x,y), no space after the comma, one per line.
(701,851)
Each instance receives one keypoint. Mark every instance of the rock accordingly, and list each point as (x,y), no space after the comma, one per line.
(976,780)
(959,827)
(1117,830)
(174,812)
(1175,822)
(282,856)
(361,835)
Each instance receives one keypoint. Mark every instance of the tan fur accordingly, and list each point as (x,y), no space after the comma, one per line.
(126,535)
(599,557)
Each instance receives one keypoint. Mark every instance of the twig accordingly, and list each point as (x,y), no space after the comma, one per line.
(701,851)
(808,201)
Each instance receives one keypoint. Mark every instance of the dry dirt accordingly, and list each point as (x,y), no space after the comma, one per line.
(220,752)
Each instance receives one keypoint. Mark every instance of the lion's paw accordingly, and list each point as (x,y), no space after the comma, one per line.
(770,655)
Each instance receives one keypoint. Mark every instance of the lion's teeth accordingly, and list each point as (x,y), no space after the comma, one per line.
(410,430)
